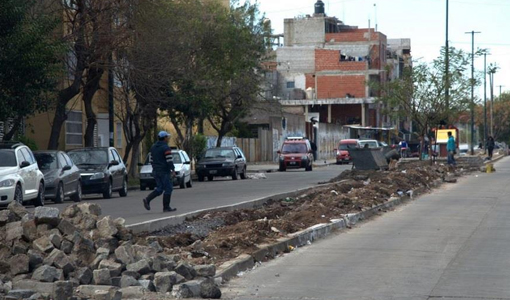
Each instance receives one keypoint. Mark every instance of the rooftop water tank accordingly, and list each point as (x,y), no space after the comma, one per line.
(319,7)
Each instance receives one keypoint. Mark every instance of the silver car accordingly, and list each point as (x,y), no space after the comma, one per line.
(182,177)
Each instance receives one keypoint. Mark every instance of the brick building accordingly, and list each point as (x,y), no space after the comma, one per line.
(325,68)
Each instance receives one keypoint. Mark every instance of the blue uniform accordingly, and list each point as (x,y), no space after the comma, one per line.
(162,164)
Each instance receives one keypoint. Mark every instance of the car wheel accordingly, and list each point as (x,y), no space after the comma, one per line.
(18,194)
(190,182)
(309,168)
(39,201)
(107,193)
(143,187)
(152,188)
(282,168)
(243,175)
(124,190)
(210,178)
(201,178)
(234,175)
(182,184)
(59,197)
(76,197)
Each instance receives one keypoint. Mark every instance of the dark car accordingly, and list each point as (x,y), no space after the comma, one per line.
(223,161)
(61,175)
(102,171)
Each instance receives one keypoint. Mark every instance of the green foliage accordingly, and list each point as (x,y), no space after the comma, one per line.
(29,59)
(420,94)
(29,142)
(199,145)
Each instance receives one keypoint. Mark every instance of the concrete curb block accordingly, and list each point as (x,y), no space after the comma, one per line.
(307,236)
(500,157)
(158,224)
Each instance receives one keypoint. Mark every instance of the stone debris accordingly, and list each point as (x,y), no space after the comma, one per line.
(78,254)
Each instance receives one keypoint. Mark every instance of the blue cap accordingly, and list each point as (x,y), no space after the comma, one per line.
(163,134)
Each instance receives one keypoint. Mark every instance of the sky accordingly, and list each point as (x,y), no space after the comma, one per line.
(424,22)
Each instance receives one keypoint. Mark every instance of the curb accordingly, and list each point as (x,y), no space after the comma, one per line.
(494,159)
(275,168)
(158,224)
(307,236)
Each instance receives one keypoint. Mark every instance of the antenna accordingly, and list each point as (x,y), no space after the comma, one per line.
(375,16)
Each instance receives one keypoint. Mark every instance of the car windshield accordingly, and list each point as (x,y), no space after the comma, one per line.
(89,157)
(294,148)
(7,158)
(176,159)
(219,153)
(347,146)
(46,161)
(371,144)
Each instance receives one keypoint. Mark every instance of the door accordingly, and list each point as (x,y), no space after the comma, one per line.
(186,166)
(31,184)
(65,176)
(118,170)
(239,160)
(74,174)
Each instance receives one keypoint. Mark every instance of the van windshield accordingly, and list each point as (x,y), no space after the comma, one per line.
(294,148)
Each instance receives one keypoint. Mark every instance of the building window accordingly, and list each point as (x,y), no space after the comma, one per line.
(119,135)
(74,128)
(291,84)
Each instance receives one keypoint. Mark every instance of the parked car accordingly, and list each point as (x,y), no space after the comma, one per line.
(61,175)
(20,177)
(222,161)
(182,177)
(342,152)
(296,153)
(102,171)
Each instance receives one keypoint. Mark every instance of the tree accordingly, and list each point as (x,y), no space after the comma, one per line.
(238,47)
(29,61)
(501,115)
(419,94)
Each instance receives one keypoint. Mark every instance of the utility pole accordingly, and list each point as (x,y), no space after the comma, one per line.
(484,100)
(447,67)
(500,86)
(492,70)
(472,90)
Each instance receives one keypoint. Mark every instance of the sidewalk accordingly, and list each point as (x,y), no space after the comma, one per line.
(269,167)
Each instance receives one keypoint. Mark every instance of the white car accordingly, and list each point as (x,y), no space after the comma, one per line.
(182,177)
(370,143)
(20,177)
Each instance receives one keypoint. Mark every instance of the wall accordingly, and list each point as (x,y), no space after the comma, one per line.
(329,135)
(304,31)
(337,86)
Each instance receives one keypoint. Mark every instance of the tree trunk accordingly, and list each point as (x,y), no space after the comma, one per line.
(9,135)
(90,89)
(133,168)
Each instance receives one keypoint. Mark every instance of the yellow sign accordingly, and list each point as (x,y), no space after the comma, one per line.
(442,135)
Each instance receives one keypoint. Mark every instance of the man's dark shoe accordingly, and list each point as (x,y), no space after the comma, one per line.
(169,209)
(146,204)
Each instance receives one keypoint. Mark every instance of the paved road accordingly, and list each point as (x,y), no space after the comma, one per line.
(451,244)
(211,194)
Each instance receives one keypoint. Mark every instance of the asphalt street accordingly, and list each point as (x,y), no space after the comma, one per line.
(207,194)
(451,244)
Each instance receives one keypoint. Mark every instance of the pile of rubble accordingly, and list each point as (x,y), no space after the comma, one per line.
(77,254)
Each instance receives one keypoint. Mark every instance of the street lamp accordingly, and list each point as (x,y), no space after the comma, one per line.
(492,70)
(472,90)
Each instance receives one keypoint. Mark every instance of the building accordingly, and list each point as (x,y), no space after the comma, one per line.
(325,67)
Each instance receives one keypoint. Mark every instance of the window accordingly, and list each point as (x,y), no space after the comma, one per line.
(116,156)
(69,161)
(27,155)
(119,135)
(61,160)
(74,128)
(291,84)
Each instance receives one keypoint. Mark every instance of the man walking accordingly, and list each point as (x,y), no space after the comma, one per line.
(162,165)
(450,147)
(490,146)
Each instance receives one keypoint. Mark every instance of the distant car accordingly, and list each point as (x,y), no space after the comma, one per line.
(102,171)
(463,149)
(296,153)
(20,177)
(222,161)
(182,177)
(342,152)
(62,176)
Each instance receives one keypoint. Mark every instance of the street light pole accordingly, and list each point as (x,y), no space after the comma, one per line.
(484,99)
(447,66)
(500,86)
(472,90)
(492,70)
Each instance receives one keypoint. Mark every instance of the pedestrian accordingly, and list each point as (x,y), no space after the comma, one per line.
(490,146)
(450,147)
(163,170)
(403,148)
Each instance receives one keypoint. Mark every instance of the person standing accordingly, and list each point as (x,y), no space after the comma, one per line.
(163,170)
(450,147)
(490,146)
